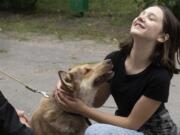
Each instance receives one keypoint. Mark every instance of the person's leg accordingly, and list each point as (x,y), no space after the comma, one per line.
(105,129)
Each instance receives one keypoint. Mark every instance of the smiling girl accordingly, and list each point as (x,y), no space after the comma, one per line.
(143,70)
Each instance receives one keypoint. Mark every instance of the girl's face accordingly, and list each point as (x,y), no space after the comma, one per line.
(148,24)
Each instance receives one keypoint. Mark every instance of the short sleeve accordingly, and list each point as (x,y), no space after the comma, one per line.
(158,86)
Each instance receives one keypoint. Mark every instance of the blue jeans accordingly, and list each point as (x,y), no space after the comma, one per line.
(105,129)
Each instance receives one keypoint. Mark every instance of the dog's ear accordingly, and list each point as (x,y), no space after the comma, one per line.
(66,81)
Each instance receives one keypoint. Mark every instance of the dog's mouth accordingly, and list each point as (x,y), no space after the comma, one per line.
(103,78)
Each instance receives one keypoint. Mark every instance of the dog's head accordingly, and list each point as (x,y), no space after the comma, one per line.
(84,80)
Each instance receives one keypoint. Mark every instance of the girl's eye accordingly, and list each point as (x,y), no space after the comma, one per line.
(151,17)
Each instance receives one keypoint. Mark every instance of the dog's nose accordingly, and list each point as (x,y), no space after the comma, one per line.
(108,61)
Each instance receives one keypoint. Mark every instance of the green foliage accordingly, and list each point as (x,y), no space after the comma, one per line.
(96,7)
(17,4)
(107,20)
(146,3)
(52,6)
(174,5)
(112,7)
(176,10)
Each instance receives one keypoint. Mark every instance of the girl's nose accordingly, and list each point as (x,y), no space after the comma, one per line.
(141,18)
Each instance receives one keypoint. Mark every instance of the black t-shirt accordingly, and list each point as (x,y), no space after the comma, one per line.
(126,89)
(9,120)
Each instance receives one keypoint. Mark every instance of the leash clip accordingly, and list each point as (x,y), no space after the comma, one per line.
(36,91)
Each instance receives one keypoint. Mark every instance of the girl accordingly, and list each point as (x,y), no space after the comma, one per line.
(140,87)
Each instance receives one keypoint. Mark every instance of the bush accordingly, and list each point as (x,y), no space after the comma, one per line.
(173,5)
(17,4)
(176,10)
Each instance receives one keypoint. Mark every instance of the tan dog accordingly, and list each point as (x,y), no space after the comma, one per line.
(83,81)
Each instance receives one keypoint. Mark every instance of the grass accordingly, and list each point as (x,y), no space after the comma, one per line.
(105,19)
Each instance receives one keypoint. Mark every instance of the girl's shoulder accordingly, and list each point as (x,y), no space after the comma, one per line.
(161,73)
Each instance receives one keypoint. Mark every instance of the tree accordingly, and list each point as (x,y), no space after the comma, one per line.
(17,4)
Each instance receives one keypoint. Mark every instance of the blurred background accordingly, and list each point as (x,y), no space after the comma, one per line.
(104,20)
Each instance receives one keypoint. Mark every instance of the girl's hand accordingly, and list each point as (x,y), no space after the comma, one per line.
(69,103)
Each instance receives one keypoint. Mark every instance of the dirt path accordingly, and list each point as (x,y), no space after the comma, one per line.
(37,61)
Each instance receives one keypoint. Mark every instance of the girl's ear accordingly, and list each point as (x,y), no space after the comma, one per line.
(163,38)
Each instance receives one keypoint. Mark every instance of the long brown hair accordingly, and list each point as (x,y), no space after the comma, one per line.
(167,53)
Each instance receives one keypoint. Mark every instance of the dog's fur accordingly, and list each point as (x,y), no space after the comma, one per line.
(83,82)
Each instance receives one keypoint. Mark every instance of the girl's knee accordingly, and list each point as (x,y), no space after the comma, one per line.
(95,129)
(106,129)
(102,129)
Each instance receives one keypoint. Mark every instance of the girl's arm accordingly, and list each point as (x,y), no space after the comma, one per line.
(101,96)
(142,111)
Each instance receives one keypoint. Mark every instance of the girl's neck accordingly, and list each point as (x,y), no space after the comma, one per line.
(140,53)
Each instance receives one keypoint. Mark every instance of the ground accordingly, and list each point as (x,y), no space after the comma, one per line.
(36,62)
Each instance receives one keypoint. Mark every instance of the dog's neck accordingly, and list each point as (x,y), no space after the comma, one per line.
(85,93)
(53,100)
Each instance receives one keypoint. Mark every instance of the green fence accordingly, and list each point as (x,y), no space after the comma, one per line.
(79,5)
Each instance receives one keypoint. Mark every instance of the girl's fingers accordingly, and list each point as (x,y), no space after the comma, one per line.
(57,97)
(61,97)
(67,93)
(65,98)
(58,84)
(70,98)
